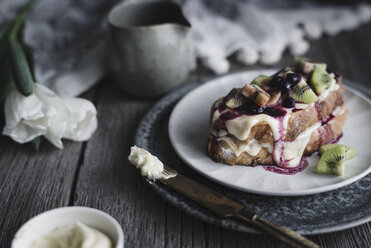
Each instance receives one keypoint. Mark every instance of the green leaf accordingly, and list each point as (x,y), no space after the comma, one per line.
(7,83)
(30,59)
(28,52)
(20,67)
(4,39)
(19,20)
(18,70)
(36,142)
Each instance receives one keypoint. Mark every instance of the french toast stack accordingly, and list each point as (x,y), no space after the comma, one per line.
(280,118)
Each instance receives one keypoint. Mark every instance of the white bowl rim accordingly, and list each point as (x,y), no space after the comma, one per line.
(118,228)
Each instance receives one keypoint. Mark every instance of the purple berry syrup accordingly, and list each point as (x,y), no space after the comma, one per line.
(335,141)
(277,112)
(287,171)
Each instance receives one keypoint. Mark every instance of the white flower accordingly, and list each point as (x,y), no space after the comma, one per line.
(44,113)
(83,120)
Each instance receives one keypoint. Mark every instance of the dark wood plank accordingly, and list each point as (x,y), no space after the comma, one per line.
(354,237)
(32,182)
(106,179)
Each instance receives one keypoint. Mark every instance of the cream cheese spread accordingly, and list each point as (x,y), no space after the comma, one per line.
(293,150)
(240,127)
(285,153)
(150,166)
(253,147)
(75,235)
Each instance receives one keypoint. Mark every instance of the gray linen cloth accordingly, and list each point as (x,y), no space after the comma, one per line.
(69,36)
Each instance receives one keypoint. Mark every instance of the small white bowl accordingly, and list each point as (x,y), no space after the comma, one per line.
(46,222)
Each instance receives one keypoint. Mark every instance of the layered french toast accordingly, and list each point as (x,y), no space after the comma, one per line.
(278,119)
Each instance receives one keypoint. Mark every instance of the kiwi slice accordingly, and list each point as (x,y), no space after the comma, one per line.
(259,80)
(306,66)
(256,94)
(299,62)
(303,93)
(349,151)
(320,79)
(234,98)
(332,161)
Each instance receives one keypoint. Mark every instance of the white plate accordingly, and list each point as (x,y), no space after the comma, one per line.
(188,128)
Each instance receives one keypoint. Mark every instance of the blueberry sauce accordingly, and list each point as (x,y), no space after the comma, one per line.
(325,134)
(287,171)
(327,119)
(250,109)
(318,108)
(335,141)
(295,109)
(288,102)
(279,144)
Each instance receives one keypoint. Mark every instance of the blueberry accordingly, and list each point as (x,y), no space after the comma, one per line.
(293,78)
(251,109)
(285,87)
(276,81)
(259,110)
(256,110)
(288,102)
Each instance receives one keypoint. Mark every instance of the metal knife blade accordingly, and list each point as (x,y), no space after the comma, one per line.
(207,197)
(226,207)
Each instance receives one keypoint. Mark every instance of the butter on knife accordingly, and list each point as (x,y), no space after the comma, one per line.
(150,166)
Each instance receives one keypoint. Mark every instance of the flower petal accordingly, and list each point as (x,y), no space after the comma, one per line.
(18,107)
(57,111)
(83,121)
(23,133)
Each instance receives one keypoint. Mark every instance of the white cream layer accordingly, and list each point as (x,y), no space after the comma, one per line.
(285,153)
(252,148)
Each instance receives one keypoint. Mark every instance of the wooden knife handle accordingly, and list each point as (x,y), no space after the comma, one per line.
(286,235)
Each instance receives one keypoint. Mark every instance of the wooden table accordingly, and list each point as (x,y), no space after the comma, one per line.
(97,174)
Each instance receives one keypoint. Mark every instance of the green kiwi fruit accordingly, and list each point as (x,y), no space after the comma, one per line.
(320,79)
(349,151)
(299,63)
(332,161)
(306,66)
(259,80)
(234,99)
(303,93)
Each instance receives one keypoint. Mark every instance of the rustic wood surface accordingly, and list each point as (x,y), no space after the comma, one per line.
(97,174)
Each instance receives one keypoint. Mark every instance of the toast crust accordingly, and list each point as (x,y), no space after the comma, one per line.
(220,151)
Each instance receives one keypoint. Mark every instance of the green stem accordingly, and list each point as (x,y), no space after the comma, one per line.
(29,57)
(3,39)
(36,142)
(19,20)
(21,67)
(7,83)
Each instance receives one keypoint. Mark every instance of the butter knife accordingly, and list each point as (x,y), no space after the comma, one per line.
(226,207)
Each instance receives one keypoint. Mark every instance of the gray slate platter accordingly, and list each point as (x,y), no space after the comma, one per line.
(320,213)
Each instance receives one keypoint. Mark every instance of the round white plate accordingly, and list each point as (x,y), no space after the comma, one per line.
(188,128)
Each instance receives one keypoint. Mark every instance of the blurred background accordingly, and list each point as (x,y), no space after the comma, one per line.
(69,36)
